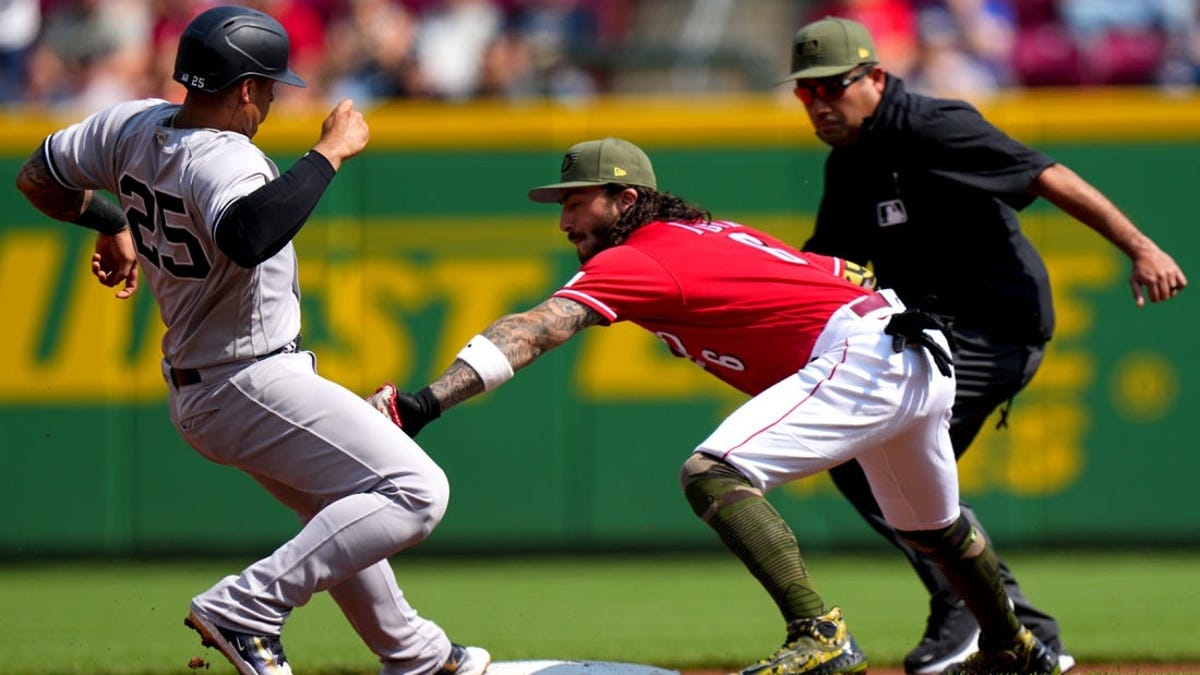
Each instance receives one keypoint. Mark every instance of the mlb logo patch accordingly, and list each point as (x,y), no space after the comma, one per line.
(891,212)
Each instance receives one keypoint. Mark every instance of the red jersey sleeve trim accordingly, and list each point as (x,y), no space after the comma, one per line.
(588,300)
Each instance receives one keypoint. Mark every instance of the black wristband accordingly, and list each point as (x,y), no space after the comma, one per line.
(102,216)
(429,403)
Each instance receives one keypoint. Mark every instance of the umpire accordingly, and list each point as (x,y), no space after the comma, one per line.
(928,191)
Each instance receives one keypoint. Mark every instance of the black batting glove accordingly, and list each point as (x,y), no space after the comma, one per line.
(410,412)
(417,410)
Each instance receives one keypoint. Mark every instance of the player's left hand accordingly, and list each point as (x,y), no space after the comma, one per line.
(1157,273)
(115,261)
(344,134)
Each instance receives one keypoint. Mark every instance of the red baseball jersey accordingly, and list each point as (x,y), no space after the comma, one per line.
(740,303)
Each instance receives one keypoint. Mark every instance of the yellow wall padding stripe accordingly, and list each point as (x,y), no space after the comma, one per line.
(1042,115)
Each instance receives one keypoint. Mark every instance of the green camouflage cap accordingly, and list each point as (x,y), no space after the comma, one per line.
(608,160)
(828,47)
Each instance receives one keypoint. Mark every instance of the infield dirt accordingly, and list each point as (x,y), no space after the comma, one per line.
(1079,669)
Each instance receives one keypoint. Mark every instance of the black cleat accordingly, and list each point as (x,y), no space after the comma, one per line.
(250,654)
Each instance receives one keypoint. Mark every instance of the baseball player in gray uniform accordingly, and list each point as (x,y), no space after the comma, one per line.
(207,220)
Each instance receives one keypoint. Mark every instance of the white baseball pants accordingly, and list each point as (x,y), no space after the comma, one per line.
(856,399)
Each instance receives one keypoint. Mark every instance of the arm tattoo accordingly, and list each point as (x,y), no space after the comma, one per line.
(47,194)
(523,338)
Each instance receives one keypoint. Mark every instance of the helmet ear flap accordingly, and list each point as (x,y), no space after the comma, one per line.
(223,44)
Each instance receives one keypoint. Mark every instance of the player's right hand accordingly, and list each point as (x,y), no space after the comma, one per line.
(115,261)
(344,134)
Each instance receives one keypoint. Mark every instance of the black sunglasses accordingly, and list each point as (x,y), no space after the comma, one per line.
(829,88)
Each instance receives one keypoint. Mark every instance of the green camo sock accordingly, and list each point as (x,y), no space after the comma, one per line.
(968,560)
(755,532)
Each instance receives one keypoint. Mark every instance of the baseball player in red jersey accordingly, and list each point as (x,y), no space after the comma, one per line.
(208,220)
(835,371)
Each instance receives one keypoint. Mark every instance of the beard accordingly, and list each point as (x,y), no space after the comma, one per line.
(598,238)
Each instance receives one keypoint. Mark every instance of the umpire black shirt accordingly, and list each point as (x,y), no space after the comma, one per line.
(929,195)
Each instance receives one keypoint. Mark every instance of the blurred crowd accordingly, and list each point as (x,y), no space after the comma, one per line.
(85,54)
(90,53)
(974,47)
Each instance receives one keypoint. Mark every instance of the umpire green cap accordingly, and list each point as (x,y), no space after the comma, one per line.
(608,160)
(828,47)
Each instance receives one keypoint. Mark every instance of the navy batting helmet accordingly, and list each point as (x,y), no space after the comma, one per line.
(224,44)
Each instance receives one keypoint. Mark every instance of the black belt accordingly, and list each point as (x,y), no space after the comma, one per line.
(182,377)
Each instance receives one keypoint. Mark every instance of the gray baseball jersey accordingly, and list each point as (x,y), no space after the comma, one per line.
(174,185)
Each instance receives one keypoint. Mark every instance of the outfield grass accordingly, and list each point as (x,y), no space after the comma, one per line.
(107,618)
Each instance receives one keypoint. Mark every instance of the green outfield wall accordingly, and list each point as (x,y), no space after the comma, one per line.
(428,236)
